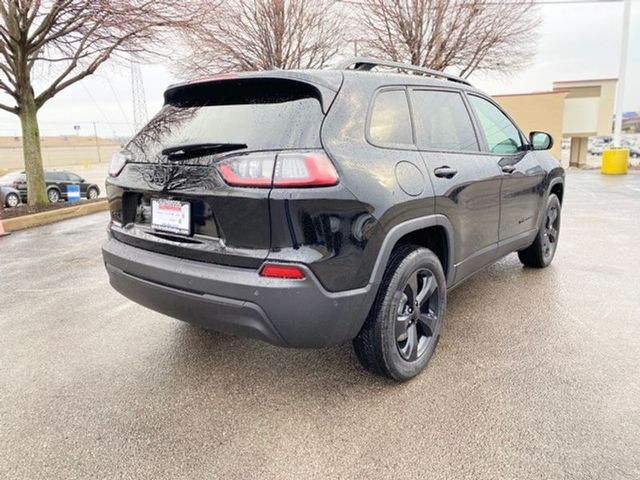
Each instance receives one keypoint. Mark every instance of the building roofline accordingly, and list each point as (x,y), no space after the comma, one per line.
(550,92)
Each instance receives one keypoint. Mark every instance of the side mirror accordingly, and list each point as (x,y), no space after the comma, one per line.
(540,141)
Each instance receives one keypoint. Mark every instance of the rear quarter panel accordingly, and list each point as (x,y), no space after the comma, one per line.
(372,174)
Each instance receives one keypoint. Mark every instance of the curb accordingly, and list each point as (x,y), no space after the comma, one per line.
(45,218)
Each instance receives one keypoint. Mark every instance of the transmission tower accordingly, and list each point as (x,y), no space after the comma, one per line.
(140,117)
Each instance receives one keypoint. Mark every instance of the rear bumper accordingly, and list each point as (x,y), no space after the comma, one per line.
(293,313)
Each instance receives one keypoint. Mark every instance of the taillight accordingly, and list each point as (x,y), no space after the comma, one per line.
(254,170)
(275,270)
(118,161)
(304,170)
(14,184)
(287,170)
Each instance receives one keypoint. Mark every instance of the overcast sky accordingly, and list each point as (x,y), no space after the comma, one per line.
(576,42)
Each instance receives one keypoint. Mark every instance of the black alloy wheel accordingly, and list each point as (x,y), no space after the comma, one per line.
(417,321)
(550,236)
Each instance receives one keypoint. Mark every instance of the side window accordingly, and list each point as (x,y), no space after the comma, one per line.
(390,120)
(73,177)
(443,122)
(501,134)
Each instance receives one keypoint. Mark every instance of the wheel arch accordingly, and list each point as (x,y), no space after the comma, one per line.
(434,232)
(557,188)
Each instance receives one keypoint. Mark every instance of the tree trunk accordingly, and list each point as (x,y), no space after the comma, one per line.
(31,150)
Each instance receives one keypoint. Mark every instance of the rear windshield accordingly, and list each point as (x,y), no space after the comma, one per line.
(264,121)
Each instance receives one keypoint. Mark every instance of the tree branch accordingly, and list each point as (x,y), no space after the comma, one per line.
(9,109)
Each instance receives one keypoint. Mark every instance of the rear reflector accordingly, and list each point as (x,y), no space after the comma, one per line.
(281,271)
(287,170)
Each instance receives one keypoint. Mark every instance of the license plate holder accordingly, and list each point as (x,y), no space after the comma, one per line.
(173,216)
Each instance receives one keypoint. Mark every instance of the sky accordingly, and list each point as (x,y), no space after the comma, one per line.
(575,42)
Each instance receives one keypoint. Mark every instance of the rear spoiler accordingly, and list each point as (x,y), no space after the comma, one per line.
(252,87)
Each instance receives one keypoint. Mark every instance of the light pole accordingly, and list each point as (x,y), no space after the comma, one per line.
(617,127)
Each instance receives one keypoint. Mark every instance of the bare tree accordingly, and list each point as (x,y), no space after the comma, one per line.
(56,43)
(464,35)
(262,35)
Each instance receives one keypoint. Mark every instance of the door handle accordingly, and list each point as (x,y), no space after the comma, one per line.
(445,172)
(508,169)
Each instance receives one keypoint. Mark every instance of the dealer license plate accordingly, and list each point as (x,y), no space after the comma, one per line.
(171,216)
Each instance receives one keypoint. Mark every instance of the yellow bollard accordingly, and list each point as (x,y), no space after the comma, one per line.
(615,161)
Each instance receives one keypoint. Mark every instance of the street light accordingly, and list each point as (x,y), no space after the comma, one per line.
(615,161)
(617,128)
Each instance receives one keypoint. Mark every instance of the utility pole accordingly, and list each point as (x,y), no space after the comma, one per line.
(95,133)
(617,128)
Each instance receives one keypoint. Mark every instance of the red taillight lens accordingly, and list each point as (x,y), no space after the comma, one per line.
(14,184)
(274,270)
(248,170)
(287,170)
(304,170)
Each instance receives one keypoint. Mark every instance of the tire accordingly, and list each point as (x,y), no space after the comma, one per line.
(54,195)
(541,252)
(92,193)
(397,340)
(12,200)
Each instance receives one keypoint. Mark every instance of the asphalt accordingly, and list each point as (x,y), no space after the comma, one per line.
(537,375)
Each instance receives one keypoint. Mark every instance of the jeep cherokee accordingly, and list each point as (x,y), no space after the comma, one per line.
(309,208)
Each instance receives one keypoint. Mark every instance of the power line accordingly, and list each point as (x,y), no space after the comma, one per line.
(88,122)
(113,90)
(96,104)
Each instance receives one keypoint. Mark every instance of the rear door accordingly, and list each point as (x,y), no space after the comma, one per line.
(522,176)
(466,182)
(58,180)
(211,152)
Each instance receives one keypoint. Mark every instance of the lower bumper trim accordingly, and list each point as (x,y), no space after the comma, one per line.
(237,301)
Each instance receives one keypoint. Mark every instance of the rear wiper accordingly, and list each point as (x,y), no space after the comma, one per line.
(190,150)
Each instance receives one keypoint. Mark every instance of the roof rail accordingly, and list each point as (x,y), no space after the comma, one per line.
(366,64)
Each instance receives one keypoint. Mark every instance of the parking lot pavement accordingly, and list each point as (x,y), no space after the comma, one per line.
(537,375)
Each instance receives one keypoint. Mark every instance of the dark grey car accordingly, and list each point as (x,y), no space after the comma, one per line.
(57,183)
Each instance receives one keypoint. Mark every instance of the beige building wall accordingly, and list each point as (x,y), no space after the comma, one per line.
(59,151)
(537,111)
(589,106)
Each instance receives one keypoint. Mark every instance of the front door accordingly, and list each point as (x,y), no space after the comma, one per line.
(522,175)
(466,182)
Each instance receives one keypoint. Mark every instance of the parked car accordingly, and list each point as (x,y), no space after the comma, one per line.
(596,149)
(57,182)
(10,196)
(634,151)
(309,208)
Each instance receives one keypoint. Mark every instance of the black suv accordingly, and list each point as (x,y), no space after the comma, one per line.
(309,208)
(57,182)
